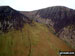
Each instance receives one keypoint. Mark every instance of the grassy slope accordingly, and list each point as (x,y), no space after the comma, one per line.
(33,40)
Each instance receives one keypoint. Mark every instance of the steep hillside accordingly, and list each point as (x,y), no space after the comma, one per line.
(33,40)
(58,18)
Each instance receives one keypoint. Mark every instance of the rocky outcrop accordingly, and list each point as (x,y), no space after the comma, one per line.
(68,35)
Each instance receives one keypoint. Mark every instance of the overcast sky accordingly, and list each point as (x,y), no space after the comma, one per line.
(29,5)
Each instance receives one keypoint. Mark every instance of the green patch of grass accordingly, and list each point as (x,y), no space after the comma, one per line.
(5,45)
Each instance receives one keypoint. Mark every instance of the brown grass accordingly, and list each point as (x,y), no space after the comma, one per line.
(43,42)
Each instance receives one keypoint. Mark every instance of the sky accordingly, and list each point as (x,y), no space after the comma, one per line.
(30,5)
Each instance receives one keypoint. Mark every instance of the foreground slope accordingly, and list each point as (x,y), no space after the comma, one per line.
(33,40)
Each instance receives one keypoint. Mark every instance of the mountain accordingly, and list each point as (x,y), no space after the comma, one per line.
(27,34)
(10,18)
(60,18)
